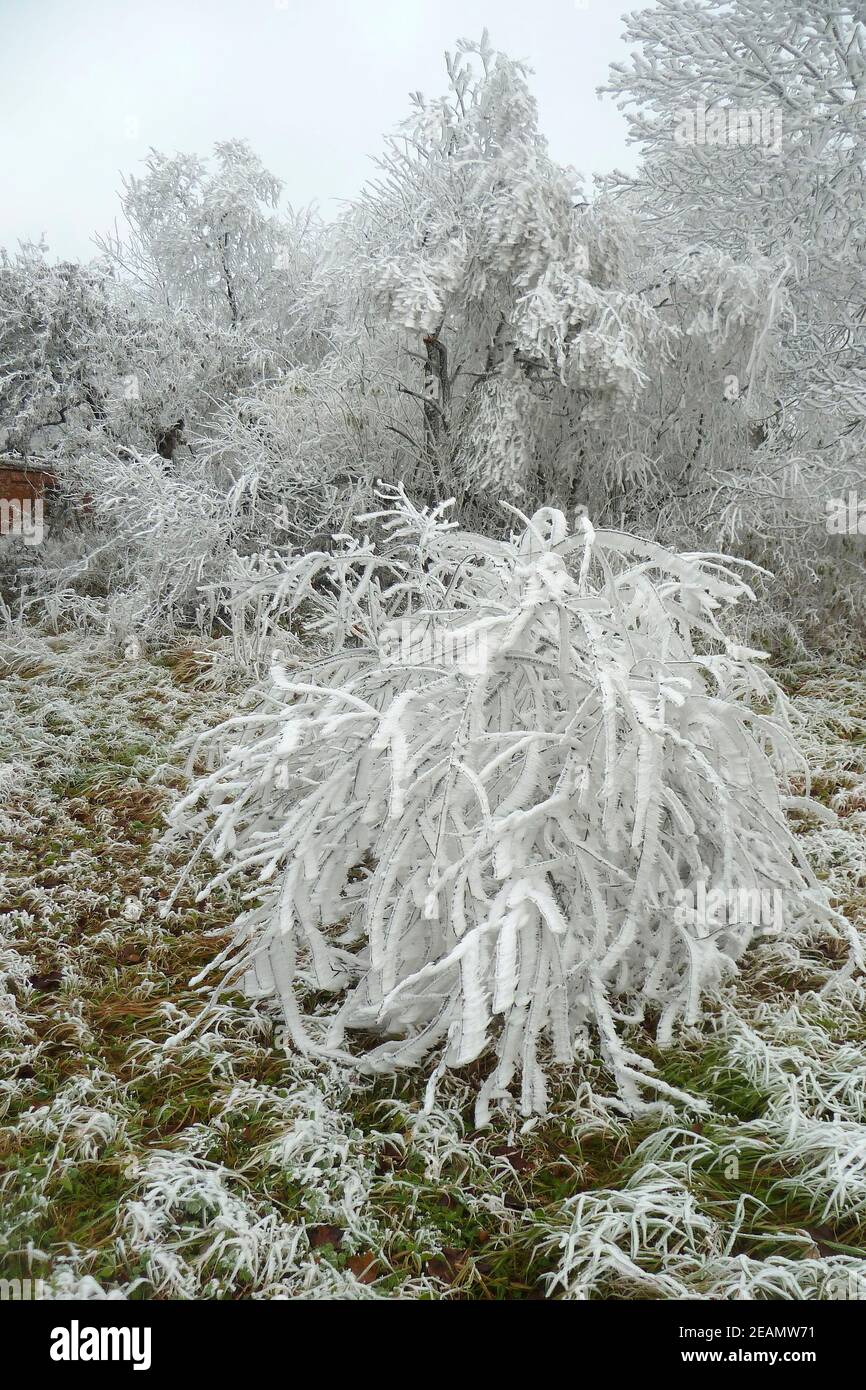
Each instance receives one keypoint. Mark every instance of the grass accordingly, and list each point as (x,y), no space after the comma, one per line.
(222,1167)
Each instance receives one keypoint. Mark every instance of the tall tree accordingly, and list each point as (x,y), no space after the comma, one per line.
(779,90)
(494,296)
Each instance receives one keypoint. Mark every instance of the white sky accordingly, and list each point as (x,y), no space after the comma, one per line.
(90,85)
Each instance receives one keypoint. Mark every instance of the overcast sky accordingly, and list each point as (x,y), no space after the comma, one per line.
(90,85)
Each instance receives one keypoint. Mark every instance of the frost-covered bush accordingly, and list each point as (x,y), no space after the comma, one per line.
(153,539)
(473,819)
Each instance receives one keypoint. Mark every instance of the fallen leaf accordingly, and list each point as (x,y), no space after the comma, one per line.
(447,1265)
(131,955)
(364,1267)
(324,1235)
(53,979)
(519,1162)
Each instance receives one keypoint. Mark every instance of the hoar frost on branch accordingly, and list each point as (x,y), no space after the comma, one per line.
(480,858)
(473,325)
(798,204)
(497,296)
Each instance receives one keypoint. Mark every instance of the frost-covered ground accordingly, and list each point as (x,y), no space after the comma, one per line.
(220,1167)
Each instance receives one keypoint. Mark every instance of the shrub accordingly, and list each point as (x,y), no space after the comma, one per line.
(472,819)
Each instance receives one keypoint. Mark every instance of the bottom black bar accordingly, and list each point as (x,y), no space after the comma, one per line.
(65,1338)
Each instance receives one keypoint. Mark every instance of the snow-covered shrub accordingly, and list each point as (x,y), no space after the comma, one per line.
(155,538)
(291,452)
(473,819)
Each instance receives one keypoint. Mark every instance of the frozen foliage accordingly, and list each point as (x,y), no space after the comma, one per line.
(478,257)
(218,1166)
(479,838)
(676,352)
(204,238)
(773,438)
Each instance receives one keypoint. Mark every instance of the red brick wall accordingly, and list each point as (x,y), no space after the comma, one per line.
(22,484)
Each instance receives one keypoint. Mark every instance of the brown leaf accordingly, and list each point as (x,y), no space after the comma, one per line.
(131,955)
(53,979)
(447,1265)
(325,1235)
(560,1170)
(519,1162)
(390,1156)
(364,1267)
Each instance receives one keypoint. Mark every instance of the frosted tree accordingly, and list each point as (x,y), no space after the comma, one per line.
(500,329)
(477,329)
(89,364)
(750,116)
(58,328)
(204,238)
(122,370)
(465,328)
(751,190)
